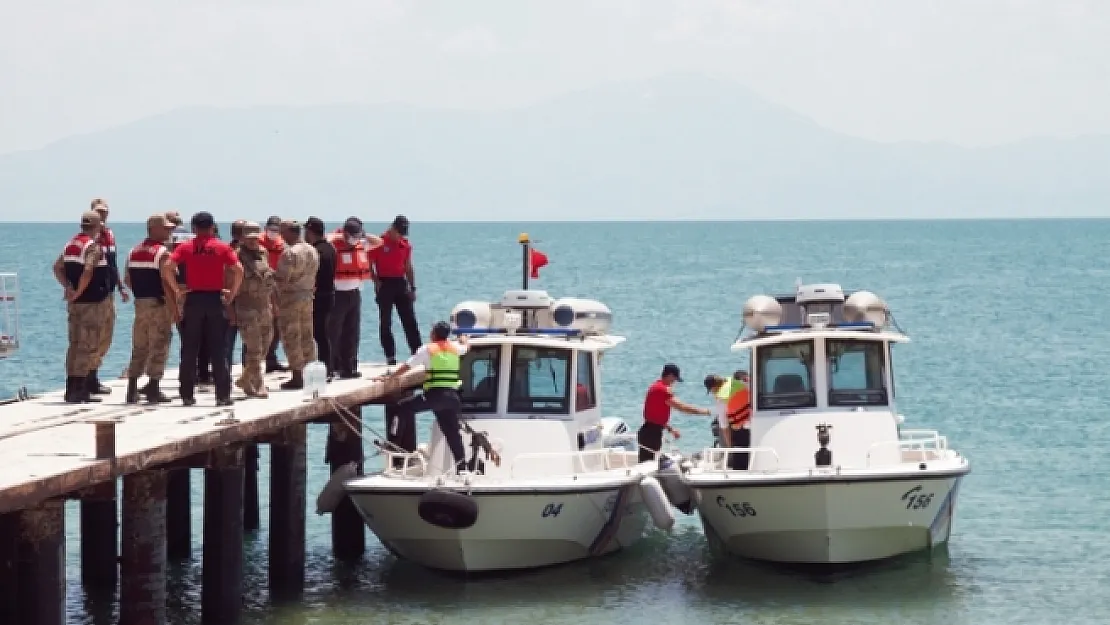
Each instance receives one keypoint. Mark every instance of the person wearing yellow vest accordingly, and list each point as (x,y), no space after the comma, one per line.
(441,359)
(734,414)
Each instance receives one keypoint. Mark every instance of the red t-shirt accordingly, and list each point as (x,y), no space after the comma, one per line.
(391,256)
(205,259)
(656,409)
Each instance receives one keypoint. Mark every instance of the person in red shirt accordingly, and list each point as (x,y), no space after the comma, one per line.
(395,286)
(209,265)
(657,412)
(273,244)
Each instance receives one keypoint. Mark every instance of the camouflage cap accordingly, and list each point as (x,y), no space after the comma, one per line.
(90,219)
(158,220)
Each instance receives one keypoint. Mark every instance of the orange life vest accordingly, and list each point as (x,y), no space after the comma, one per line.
(352,262)
(738,410)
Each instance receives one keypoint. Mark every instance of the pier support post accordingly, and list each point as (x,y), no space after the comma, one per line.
(348,534)
(143,561)
(288,477)
(9,571)
(221,595)
(40,582)
(179,528)
(99,524)
(251,520)
(99,539)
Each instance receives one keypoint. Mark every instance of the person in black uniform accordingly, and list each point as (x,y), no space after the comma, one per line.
(323,300)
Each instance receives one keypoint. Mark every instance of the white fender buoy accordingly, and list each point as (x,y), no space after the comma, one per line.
(656,501)
(333,493)
(678,493)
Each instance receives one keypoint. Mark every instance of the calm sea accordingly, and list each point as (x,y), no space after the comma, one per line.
(1009,360)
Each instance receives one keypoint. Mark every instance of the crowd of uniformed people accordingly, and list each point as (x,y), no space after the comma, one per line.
(288,282)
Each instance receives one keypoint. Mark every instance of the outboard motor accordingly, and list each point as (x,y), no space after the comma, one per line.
(823,457)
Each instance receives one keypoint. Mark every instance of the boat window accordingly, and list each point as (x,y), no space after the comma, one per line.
(539,380)
(785,372)
(856,372)
(585,395)
(478,372)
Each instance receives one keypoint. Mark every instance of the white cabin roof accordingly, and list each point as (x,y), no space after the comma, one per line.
(786,336)
(599,343)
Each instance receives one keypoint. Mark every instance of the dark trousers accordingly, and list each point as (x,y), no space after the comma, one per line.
(204,321)
(271,354)
(650,439)
(394,292)
(343,330)
(445,405)
(204,359)
(738,461)
(322,304)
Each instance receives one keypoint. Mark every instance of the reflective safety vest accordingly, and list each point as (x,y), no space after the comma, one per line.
(443,368)
(73,259)
(144,269)
(737,398)
(352,262)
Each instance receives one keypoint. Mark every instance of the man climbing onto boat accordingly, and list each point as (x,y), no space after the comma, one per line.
(441,360)
(657,412)
(734,413)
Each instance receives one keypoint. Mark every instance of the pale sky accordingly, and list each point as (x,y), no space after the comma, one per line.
(970,72)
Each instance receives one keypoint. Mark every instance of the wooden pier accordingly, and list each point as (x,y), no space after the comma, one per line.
(51,451)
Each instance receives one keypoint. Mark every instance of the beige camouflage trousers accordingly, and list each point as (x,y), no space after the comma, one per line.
(150,338)
(295,329)
(105,342)
(87,323)
(256,330)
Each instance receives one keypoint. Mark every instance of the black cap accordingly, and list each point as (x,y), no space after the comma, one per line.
(203,219)
(315,225)
(713,382)
(672,369)
(353,226)
(273,222)
(400,220)
(441,331)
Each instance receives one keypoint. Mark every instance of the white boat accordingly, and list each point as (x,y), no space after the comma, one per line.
(548,480)
(832,478)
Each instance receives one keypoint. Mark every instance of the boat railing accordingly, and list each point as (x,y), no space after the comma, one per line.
(578,459)
(914,446)
(406,468)
(716,458)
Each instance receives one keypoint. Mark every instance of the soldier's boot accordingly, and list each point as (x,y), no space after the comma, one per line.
(95,386)
(132,391)
(74,394)
(84,386)
(295,382)
(153,392)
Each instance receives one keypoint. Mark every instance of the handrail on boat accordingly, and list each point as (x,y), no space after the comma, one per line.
(390,469)
(717,457)
(913,440)
(579,455)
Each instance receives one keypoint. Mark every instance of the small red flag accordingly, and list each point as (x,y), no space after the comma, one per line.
(536,260)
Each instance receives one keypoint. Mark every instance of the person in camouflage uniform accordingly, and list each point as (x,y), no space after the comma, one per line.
(254,310)
(296,280)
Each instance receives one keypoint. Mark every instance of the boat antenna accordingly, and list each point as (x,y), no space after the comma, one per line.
(525,247)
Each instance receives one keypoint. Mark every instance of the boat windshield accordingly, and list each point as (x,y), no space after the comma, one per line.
(785,376)
(540,380)
(856,372)
(479,374)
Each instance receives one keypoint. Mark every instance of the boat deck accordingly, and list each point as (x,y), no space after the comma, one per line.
(50,448)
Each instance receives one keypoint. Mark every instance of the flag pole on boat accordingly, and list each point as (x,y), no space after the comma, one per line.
(525,246)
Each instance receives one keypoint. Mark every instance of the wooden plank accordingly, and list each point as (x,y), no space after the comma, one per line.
(48,447)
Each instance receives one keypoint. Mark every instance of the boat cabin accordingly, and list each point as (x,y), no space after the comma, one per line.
(818,358)
(532,373)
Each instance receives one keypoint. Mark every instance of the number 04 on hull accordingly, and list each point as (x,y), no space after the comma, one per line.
(831,478)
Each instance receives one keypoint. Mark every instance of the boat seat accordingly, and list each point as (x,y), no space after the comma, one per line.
(789,383)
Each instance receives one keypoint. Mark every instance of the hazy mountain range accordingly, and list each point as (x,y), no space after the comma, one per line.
(674,147)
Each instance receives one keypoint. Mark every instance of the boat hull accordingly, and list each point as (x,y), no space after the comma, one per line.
(828,522)
(514,530)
